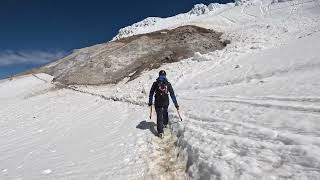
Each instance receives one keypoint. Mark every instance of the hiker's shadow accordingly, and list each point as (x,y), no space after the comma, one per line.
(148,125)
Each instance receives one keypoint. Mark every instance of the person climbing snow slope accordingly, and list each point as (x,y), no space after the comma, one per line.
(161,89)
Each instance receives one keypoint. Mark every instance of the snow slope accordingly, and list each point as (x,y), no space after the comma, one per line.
(250,111)
(258,121)
(52,133)
(151,24)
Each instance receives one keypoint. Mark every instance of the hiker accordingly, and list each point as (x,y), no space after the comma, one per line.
(161,88)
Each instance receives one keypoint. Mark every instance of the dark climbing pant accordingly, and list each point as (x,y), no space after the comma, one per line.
(162,117)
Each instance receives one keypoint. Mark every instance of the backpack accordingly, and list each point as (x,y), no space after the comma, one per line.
(162,89)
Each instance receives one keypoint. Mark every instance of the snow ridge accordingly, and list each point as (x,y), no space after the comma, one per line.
(143,26)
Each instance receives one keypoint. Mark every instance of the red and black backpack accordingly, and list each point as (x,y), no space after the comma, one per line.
(162,89)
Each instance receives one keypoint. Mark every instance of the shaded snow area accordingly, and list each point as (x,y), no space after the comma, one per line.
(250,110)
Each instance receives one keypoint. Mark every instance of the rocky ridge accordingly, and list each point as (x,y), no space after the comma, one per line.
(114,61)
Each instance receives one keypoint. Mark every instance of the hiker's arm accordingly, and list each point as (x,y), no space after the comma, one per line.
(152,90)
(173,96)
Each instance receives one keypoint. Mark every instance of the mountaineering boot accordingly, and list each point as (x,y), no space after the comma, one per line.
(161,135)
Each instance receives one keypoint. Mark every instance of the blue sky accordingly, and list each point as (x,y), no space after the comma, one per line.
(35,32)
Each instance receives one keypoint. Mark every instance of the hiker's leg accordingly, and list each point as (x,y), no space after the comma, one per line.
(165,115)
(159,111)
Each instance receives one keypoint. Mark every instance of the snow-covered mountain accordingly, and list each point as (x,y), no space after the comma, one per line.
(156,23)
(250,110)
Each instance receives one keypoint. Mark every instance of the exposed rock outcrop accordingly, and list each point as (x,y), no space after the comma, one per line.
(113,61)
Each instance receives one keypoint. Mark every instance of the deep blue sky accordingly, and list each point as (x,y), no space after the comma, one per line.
(58,26)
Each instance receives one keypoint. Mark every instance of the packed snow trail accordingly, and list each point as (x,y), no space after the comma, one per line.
(165,160)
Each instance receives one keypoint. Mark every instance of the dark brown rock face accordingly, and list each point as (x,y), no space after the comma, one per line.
(111,62)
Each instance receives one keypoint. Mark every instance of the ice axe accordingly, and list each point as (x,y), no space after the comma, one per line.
(179,114)
(150,112)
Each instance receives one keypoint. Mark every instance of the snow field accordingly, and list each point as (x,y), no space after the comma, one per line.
(63,134)
(250,111)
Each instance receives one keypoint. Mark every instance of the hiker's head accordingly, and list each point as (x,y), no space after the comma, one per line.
(162,73)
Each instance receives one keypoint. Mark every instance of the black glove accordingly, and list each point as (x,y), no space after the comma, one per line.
(150,104)
(177,107)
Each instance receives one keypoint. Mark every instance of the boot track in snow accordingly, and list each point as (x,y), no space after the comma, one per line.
(164,159)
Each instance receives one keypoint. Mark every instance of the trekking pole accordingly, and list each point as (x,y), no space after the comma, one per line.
(179,114)
(150,112)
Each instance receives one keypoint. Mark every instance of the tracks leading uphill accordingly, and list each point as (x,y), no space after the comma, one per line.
(164,159)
